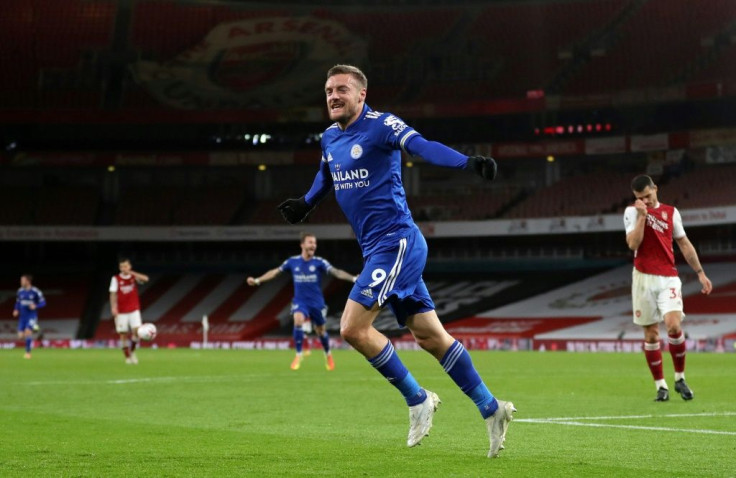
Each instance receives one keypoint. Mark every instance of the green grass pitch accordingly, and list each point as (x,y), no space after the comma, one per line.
(245,413)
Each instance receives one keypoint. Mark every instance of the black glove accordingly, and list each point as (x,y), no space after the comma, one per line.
(295,210)
(483,166)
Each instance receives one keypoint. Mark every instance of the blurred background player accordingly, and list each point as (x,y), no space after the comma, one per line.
(28,300)
(361,162)
(656,289)
(307,272)
(125,307)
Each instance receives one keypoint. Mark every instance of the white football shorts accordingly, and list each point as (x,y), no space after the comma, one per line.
(653,296)
(125,323)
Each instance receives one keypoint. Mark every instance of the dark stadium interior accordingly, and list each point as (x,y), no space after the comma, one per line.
(146,114)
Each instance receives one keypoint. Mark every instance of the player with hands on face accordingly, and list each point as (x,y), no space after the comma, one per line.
(656,290)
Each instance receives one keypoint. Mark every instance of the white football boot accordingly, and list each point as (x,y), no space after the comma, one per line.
(420,418)
(497,424)
(133,358)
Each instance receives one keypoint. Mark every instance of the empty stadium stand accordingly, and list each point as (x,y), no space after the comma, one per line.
(30,34)
(652,46)
(435,54)
(584,194)
(165,206)
(704,187)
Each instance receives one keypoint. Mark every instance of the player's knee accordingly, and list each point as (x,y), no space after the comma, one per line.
(427,343)
(353,335)
(674,329)
(651,336)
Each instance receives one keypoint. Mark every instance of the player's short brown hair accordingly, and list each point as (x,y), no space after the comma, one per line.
(28,277)
(351,70)
(303,235)
(641,182)
(123,259)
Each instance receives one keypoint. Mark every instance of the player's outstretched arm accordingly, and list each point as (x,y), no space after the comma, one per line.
(691,256)
(270,275)
(140,278)
(41,302)
(342,275)
(441,155)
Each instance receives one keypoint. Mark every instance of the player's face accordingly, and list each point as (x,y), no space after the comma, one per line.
(125,267)
(24,282)
(309,245)
(648,196)
(345,98)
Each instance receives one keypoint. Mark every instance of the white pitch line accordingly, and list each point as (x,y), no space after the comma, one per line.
(216,378)
(631,417)
(631,427)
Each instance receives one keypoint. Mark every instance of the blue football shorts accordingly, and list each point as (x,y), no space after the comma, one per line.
(27,323)
(316,314)
(394,278)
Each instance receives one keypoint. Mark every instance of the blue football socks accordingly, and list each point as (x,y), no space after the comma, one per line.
(298,338)
(459,366)
(388,363)
(325,339)
(29,344)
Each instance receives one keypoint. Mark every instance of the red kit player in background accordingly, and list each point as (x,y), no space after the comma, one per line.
(126,307)
(656,289)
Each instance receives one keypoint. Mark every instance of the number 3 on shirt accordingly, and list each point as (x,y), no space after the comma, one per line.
(378,276)
(673,293)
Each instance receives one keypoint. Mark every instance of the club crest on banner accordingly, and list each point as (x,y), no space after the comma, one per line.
(254,63)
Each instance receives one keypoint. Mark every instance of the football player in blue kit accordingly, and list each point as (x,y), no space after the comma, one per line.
(361,162)
(307,272)
(28,300)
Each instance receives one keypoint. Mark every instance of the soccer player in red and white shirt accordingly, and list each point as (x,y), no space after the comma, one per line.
(656,289)
(126,307)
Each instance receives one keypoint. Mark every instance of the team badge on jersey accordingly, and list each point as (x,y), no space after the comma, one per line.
(312,268)
(356,151)
(664,215)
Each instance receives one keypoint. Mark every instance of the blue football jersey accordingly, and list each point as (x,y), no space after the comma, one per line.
(364,163)
(26,297)
(307,277)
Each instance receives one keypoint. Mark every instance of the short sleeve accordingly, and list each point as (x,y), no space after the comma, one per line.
(678,230)
(326,265)
(285,266)
(113,285)
(630,215)
(394,132)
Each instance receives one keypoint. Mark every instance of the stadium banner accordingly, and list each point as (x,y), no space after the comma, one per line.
(611,145)
(525,150)
(712,137)
(720,154)
(252,63)
(495,227)
(652,142)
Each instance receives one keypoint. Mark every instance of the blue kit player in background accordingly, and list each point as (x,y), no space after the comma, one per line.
(307,272)
(361,162)
(28,300)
